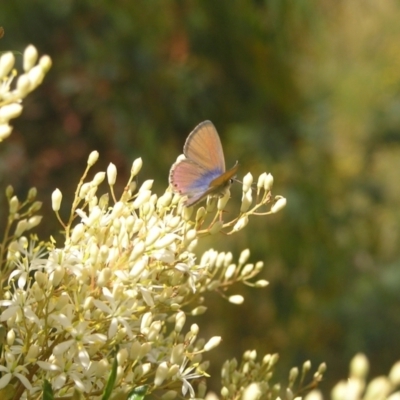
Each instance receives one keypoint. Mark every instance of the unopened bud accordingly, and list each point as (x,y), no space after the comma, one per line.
(223,200)
(56,198)
(98,178)
(30,57)
(136,166)
(268,182)
(45,62)
(247,199)
(217,226)
(7,61)
(280,202)
(247,182)
(10,111)
(23,85)
(241,223)
(213,342)
(93,157)
(111,174)
(236,299)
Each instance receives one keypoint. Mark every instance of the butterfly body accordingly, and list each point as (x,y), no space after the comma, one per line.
(202,172)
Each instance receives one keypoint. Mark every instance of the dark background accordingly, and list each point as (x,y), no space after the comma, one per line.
(308,91)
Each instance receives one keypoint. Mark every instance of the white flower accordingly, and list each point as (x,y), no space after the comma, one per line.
(12,369)
(185,374)
(191,271)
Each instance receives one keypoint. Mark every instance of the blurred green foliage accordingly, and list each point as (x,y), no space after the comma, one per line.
(306,90)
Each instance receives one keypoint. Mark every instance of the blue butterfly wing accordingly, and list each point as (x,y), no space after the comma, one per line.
(203,146)
(203,171)
(190,179)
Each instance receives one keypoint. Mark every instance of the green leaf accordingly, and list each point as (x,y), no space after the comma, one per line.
(111,381)
(47,391)
(138,393)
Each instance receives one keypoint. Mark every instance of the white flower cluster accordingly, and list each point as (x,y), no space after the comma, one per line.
(253,380)
(115,291)
(10,98)
(356,386)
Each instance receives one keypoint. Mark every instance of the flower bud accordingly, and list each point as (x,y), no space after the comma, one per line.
(252,392)
(138,250)
(14,204)
(10,111)
(56,198)
(244,256)
(247,270)
(241,223)
(23,85)
(260,182)
(153,235)
(315,395)
(177,354)
(217,226)
(146,185)
(22,226)
(104,277)
(9,191)
(165,241)
(198,310)
(170,395)
(34,221)
(359,366)
(136,166)
(293,374)
(236,299)
(164,200)
(36,75)
(10,337)
(147,319)
(93,157)
(268,182)
(98,178)
(77,233)
(180,320)
(247,199)
(7,61)
(32,194)
(230,271)
(223,200)
(261,283)
(138,268)
(111,174)
(36,206)
(247,182)
(213,342)
(154,330)
(45,63)
(280,202)
(58,275)
(142,198)
(32,353)
(190,236)
(200,214)
(306,367)
(161,373)
(30,57)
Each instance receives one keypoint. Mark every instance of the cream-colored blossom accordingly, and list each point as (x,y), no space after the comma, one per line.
(122,279)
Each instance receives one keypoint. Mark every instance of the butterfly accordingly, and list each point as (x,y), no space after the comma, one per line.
(202,172)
